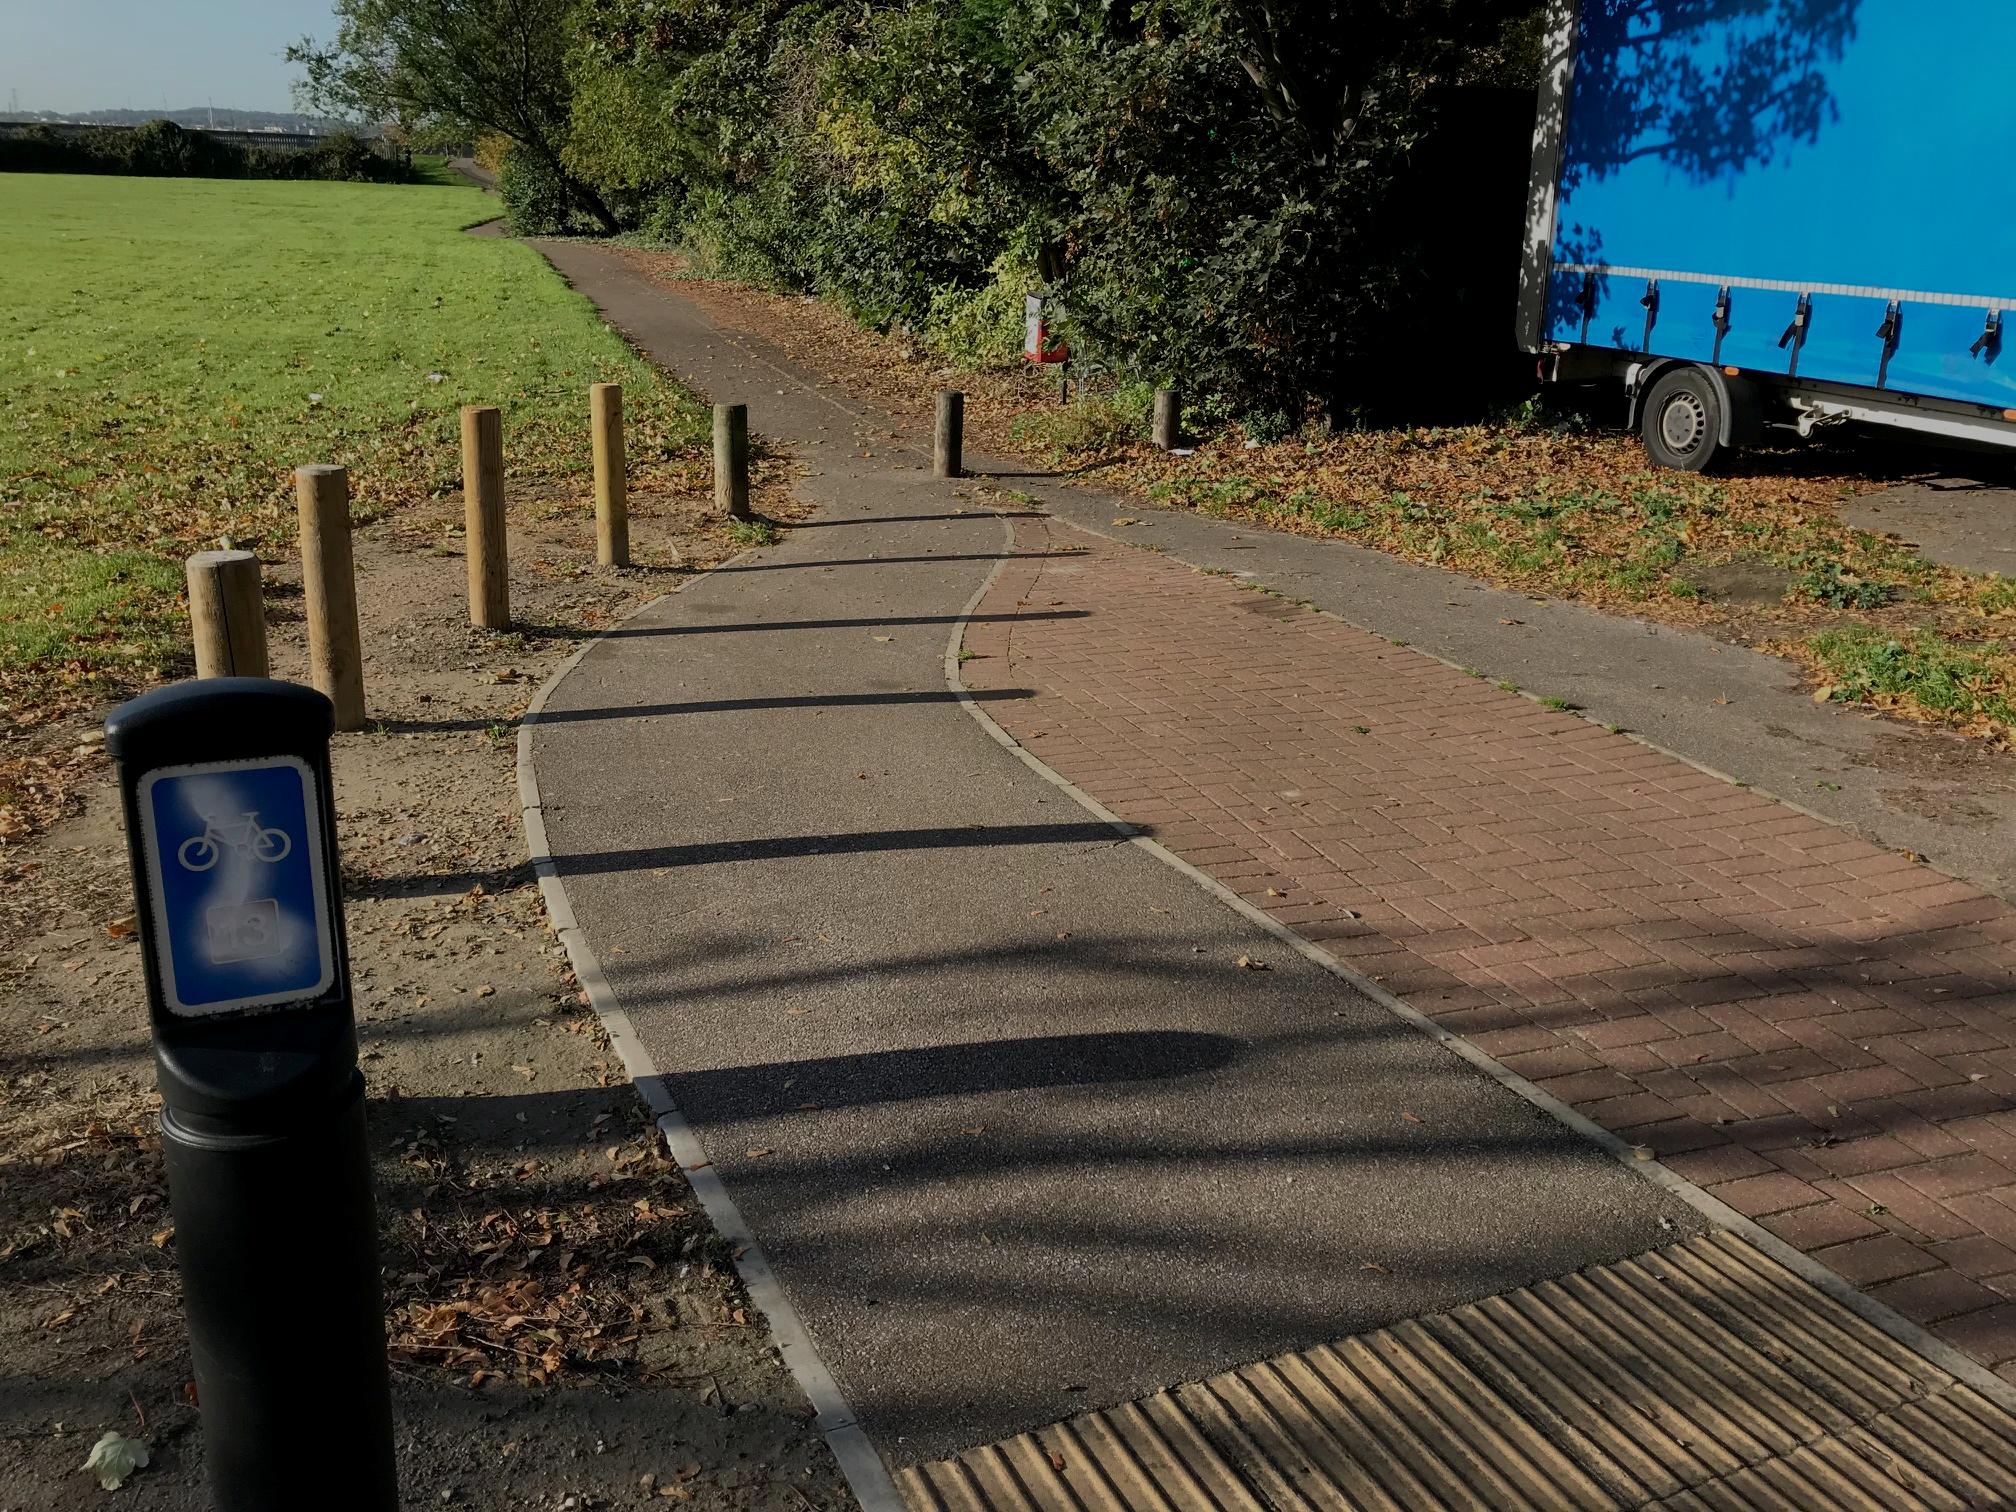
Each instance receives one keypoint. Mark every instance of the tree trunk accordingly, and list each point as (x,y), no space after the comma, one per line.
(579,190)
(586,197)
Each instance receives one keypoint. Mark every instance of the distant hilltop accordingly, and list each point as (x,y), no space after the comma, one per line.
(200,117)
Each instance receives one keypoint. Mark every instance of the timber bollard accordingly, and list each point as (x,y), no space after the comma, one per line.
(227,616)
(948,442)
(1166,419)
(731,460)
(483,516)
(329,586)
(612,499)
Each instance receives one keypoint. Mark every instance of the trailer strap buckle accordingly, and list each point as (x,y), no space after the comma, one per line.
(1795,333)
(1990,340)
(1798,326)
(1889,334)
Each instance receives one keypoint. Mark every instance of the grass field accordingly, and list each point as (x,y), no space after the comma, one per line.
(171,348)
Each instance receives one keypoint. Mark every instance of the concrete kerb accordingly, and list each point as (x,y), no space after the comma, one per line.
(867,1476)
(1891,1322)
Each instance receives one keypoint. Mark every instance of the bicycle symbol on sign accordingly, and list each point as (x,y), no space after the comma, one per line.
(241,833)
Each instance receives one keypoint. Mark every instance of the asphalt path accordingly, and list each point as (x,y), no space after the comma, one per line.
(1015,1127)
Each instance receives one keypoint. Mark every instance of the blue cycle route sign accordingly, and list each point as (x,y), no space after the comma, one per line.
(235,865)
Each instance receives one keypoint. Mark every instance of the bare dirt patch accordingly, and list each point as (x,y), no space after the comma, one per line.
(564,1321)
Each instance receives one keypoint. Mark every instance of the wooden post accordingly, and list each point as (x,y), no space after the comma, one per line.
(227,618)
(329,585)
(731,460)
(1166,419)
(483,516)
(948,445)
(612,499)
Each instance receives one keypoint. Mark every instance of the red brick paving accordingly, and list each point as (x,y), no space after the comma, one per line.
(1820,1032)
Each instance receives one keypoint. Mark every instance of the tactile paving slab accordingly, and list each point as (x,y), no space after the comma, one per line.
(1701,1376)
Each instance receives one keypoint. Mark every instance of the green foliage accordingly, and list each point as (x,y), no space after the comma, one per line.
(1825,581)
(626,135)
(1091,424)
(162,149)
(983,327)
(1266,425)
(536,201)
(1949,681)
(1215,191)
(451,69)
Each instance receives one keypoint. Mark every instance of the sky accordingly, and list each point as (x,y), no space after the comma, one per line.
(68,55)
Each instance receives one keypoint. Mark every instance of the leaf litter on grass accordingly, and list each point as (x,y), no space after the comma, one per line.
(156,392)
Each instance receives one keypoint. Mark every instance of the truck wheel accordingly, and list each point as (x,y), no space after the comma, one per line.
(1682,420)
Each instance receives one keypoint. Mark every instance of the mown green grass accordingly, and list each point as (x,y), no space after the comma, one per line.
(171,349)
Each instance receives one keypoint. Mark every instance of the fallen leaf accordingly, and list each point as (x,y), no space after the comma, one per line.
(1411,1118)
(118,929)
(760,1152)
(1247,963)
(486,990)
(1126,520)
(114,1457)
(160,1238)
(1374,1265)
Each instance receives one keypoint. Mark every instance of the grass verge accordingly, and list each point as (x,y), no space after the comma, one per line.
(1557,511)
(171,349)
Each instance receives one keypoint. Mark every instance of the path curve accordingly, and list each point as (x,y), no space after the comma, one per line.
(1018,1131)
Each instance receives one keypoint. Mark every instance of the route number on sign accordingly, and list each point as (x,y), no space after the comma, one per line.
(239,883)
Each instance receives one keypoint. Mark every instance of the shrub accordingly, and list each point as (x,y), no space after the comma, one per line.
(929,163)
(983,327)
(536,201)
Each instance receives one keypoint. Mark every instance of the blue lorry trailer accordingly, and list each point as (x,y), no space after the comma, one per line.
(1778,213)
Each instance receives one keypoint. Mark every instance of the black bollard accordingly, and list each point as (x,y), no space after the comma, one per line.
(231,833)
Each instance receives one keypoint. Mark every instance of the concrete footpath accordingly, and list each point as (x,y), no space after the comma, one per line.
(1030,1125)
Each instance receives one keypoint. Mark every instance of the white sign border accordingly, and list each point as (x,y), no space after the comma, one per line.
(164,955)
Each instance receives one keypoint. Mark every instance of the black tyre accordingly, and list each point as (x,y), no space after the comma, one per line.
(1681,420)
